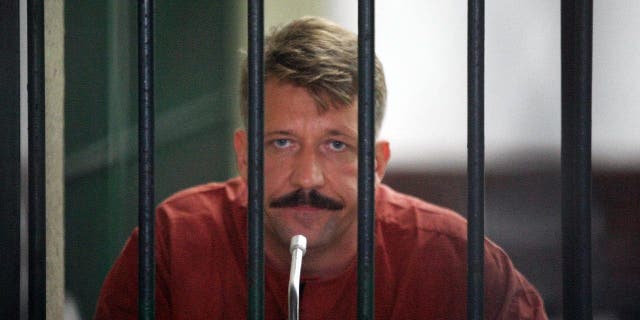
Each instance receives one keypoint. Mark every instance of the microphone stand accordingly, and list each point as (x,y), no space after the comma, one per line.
(297,248)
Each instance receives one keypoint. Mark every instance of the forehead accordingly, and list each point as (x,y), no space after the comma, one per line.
(291,106)
(279,94)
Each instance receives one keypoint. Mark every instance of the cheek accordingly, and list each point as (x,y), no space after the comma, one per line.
(348,167)
(343,177)
(276,176)
(274,168)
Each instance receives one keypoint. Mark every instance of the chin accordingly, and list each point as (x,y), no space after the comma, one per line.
(314,237)
(320,227)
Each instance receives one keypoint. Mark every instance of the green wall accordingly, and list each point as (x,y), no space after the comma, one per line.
(196,65)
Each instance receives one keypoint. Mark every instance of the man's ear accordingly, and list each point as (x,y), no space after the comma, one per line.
(383,153)
(240,145)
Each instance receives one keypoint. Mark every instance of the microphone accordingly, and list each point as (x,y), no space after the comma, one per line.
(297,248)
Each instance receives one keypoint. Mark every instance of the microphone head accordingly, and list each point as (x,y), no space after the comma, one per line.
(298,242)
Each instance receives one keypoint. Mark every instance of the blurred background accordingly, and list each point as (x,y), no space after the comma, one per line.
(422,45)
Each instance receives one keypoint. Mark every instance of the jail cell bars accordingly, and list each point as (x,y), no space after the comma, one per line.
(255,270)
(576,165)
(146,217)
(10,188)
(475,158)
(37,196)
(577,35)
(366,145)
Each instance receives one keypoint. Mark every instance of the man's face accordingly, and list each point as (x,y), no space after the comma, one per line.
(310,167)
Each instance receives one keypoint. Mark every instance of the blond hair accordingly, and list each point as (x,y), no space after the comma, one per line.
(320,56)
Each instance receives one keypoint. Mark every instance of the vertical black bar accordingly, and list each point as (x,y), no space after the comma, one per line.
(146,218)
(577,31)
(475,160)
(255,271)
(37,196)
(366,145)
(10,160)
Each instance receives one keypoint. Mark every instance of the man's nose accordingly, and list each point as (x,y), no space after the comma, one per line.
(307,172)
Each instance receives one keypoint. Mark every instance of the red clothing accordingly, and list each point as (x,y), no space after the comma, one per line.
(420,271)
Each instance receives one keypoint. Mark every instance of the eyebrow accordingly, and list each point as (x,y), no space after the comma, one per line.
(279,132)
(332,132)
(349,133)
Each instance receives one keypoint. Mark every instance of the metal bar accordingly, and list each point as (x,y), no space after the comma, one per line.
(146,218)
(366,145)
(255,271)
(475,160)
(577,33)
(37,196)
(10,186)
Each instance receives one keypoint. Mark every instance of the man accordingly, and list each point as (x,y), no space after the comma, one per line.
(310,154)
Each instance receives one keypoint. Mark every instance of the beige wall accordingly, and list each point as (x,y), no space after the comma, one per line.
(278,12)
(54,144)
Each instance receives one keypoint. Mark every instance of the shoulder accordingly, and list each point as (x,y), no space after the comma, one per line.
(202,196)
(431,242)
(421,238)
(205,198)
(428,230)
(402,212)
(203,208)
(208,218)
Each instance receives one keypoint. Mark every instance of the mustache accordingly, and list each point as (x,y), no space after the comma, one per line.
(311,198)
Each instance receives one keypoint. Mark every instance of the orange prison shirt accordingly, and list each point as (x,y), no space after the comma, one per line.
(420,270)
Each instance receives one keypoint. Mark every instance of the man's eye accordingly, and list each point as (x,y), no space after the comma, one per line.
(337,145)
(282,143)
